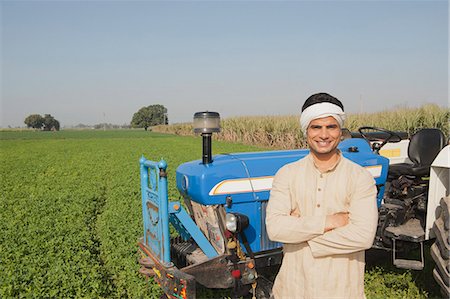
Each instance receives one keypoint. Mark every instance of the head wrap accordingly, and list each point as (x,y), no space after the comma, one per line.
(322,105)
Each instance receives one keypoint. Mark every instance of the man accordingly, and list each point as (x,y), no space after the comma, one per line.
(323,209)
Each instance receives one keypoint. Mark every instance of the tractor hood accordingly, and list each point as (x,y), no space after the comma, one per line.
(247,177)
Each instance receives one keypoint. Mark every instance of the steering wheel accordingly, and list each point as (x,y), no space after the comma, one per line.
(376,146)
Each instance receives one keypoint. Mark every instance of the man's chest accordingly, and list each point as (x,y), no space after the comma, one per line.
(320,194)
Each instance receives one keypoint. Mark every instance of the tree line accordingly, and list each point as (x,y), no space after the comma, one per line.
(145,117)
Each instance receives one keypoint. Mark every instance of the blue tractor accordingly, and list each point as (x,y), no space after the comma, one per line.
(221,240)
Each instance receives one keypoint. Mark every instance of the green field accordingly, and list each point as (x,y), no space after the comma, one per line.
(70,215)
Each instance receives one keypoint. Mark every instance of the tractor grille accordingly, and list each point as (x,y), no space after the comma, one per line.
(266,244)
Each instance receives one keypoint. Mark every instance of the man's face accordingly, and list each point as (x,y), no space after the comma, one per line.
(323,136)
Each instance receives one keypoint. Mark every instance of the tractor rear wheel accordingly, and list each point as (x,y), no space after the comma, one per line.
(440,250)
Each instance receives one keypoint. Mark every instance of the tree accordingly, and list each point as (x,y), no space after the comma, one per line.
(150,116)
(50,123)
(34,121)
(45,123)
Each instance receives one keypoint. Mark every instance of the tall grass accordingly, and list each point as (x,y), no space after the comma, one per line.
(267,131)
(283,132)
(404,119)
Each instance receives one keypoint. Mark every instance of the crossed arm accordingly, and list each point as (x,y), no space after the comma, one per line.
(326,235)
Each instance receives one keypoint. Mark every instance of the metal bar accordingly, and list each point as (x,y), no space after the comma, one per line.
(421,254)
(151,164)
(207,148)
(164,212)
(155,200)
(393,250)
(177,210)
(144,188)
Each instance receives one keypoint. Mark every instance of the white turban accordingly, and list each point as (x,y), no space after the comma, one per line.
(321,110)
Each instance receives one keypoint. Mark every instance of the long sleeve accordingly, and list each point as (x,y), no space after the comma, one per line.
(363,216)
(318,264)
(281,226)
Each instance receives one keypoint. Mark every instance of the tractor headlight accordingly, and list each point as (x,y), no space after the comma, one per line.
(236,222)
(231,222)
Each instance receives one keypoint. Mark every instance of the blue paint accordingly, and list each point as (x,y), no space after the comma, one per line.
(202,178)
(195,181)
(155,208)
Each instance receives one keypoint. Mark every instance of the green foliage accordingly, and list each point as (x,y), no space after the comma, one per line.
(383,280)
(50,123)
(70,210)
(150,116)
(46,123)
(382,284)
(70,215)
(34,121)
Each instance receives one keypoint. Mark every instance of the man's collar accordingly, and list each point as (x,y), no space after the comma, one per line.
(331,167)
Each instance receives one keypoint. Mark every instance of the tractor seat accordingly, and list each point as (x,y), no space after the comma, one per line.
(422,150)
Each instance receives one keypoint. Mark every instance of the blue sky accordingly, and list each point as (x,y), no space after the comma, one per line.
(100,61)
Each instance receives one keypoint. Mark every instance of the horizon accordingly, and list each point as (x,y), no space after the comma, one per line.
(128,125)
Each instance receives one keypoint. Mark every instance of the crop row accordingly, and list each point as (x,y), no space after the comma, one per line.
(70,210)
(49,203)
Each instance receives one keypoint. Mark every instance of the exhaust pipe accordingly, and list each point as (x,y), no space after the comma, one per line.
(206,123)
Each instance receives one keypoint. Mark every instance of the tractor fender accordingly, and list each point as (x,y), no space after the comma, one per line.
(438,219)
(438,187)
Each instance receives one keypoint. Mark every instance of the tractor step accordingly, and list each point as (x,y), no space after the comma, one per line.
(408,264)
(410,231)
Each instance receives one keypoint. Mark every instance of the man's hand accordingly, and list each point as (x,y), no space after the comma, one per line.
(295,212)
(336,220)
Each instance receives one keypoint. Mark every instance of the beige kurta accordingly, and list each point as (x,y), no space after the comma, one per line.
(317,264)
